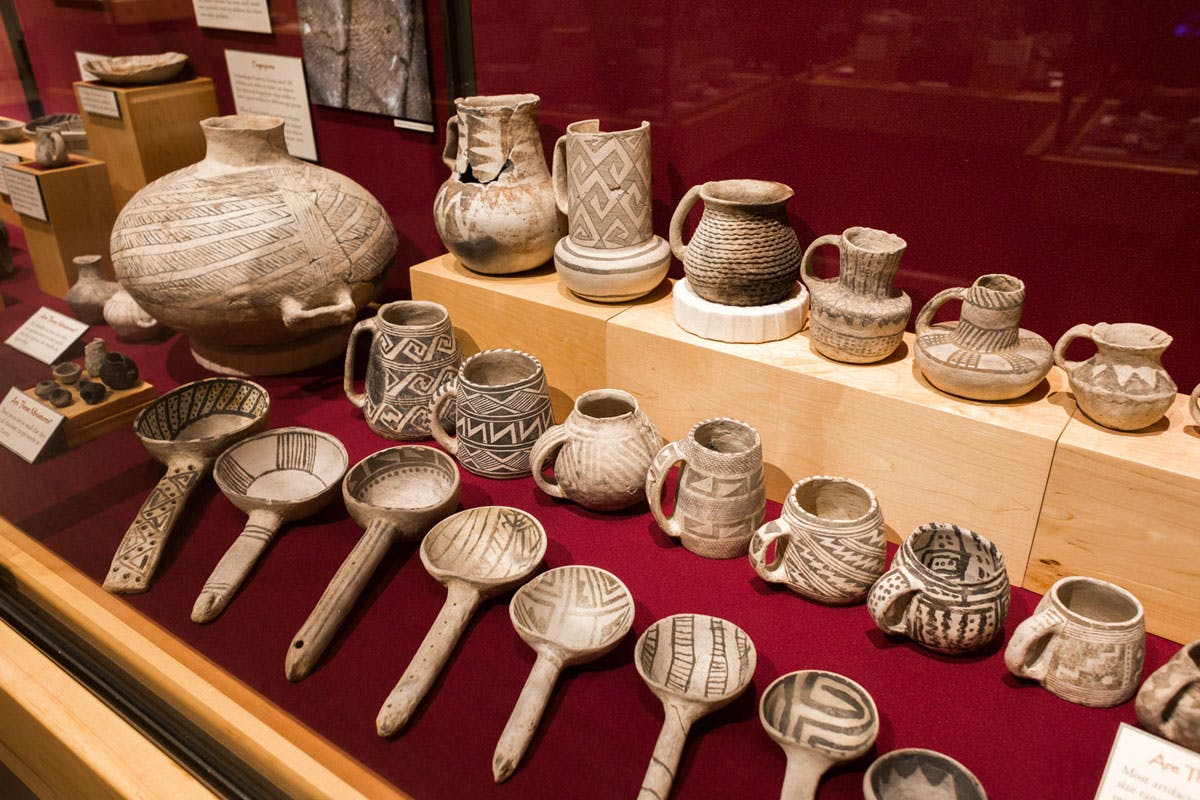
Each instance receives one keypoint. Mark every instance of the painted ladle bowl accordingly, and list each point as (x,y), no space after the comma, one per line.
(913,773)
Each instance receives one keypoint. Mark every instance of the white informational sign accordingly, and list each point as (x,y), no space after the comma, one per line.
(6,158)
(26,425)
(274,85)
(1141,766)
(47,335)
(82,58)
(26,194)
(101,102)
(233,15)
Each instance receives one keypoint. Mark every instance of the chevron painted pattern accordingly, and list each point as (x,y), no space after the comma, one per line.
(608,180)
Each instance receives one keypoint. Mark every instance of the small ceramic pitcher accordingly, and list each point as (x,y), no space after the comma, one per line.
(1123,386)
(1085,642)
(721,496)
(91,290)
(503,406)
(600,454)
(947,590)
(830,543)
(1168,703)
(413,355)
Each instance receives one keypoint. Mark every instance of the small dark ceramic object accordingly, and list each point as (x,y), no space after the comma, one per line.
(92,392)
(66,372)
(44,388)
(61,398)
(119,371)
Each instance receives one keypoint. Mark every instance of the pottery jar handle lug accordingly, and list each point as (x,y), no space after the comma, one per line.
(558,171)
(679,218)
(1194,404)
(759,542)
(925,319)
(655,478)
(450,153)
(810,278)
(545,450)
(450,443)
(1060,349)
(893,587)
(358,399)
(1042,625)
(299,319)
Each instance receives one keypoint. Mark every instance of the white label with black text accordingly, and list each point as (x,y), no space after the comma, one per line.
(47,335)
(101,102)
(1141,766)
(26,424)
(26,194)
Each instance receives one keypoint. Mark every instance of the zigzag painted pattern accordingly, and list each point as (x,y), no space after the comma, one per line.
(609,189)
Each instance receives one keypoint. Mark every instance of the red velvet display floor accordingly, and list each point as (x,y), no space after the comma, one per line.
(600,728)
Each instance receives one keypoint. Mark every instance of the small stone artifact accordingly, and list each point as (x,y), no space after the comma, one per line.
(502,407)
(602,184)
(397,493)
(985,355)
(477,553)
(129,321)
(92,392)
(496,212)
(413,356)
(820,719)
(858,317)
(1168,703)
(1123,386)
(268,258)
(721,495)
(43,389)
(830,542)
(91,290)
(276,476)
(917,774)
(137,70)
(744,251)
(185,429)
(61,398)
(66,372)
(568,615)
(1085,642)
(600,454)
(51,150)
(695,664)
(119,371)
(93,357)
(947,590)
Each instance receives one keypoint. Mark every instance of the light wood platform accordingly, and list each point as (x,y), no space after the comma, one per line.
(85,422)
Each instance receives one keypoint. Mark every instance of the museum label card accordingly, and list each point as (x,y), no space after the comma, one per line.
(47,335)
(274,85)
(101,102)
(233,15)
(26,425)
(6,158)
(82,58)
(26,194)
(1142,766)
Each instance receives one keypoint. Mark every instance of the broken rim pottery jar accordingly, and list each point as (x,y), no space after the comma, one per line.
(743,251)
(829,541)
(413,355)
(917,774)
(185,429)
(119,371)
(277,476)
(1168,704)
(600,454)
(820,719)
(986,354)
(694,664)
(1123,386)
(129,321)
(91,290)
(263,260)
(720,494)
(947,590)
(1085,642)
(502,406)
(857,317)
(143,70)
(496,212)
(602,184)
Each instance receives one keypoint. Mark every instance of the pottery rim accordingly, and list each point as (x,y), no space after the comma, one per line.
(1001,284)
(211,438)
(365,467)
(498,369)
(1096,603)
(592,127)
(531,635)
(805,500)
(659,684)
(1131,337)
(725,437)
(230,454)
(407,315)
(747,193)
(872,240)
(784,738)
(606,404)
(988,555)
(960,775)
(448,564)
(66,371)
(485,102)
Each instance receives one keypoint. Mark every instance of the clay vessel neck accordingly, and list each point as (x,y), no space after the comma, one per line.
(412,317)
(244,140)
(991,314)
(870,259)
(499,136)
(1130,343)
(746,197)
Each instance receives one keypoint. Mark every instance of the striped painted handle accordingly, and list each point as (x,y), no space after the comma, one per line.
(235,565)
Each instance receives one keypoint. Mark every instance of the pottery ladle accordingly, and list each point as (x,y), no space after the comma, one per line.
(819,719)
(397,493)
(568,615)
(917,773)
(275,477)
(476,554)
(695,664)
(185,429)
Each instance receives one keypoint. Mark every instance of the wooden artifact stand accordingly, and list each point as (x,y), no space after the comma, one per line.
(84,422)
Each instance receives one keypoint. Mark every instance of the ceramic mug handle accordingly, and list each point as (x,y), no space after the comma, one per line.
(298,319)
(450,443)
(1194,405)
(925,318)
(450,152)
(1160,695)
(806,270)
(1042,625)
(558,172)
(654,486)
(774,572)
(678,218)
(1060,349)
(357,399)
(894,586)
(545,449)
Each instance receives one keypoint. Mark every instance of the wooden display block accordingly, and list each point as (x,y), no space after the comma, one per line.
(79,215)
(1125,507)
(928,456)
(144,132)
(10,153)
(84,423)
(530,311)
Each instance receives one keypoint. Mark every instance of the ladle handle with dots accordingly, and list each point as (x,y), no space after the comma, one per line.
(142,546)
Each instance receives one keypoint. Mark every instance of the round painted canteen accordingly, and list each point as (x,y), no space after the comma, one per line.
(475,554)
(185,429)
(913,773)
(820,719)
(277,476)
(695,664)
(397,493)
(568,615)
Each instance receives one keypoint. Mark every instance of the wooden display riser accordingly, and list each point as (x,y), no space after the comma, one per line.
(86,422)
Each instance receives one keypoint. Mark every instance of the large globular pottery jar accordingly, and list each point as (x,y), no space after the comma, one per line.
(496,212)
(262,259)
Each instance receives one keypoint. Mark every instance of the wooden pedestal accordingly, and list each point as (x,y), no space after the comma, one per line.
(84,422)
(79,220)
(12,153)
(158,130)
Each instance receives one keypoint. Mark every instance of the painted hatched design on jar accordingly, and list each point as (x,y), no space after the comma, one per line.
(609,187)
(580,607)
(821,710)
(484,543)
